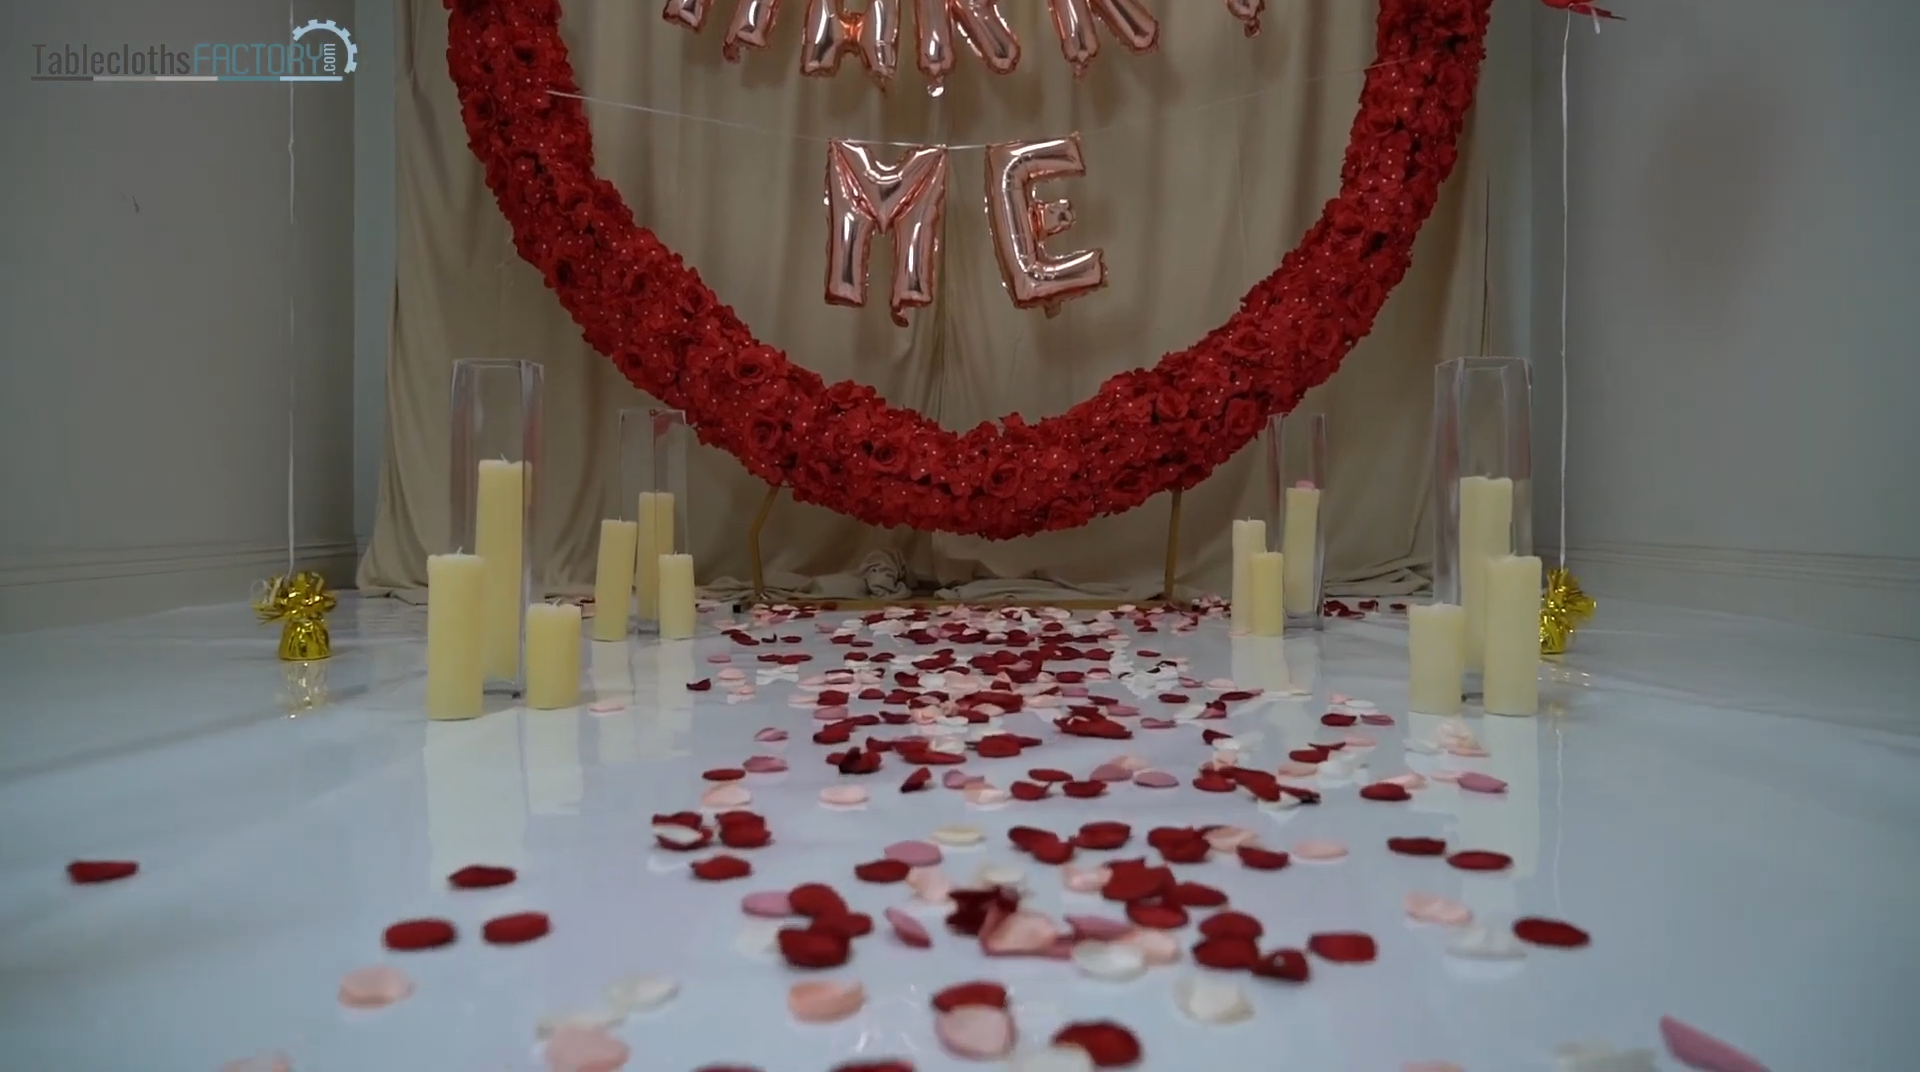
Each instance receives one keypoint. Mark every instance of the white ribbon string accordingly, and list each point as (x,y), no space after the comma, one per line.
(1566,41)
(293,365)
(667,113)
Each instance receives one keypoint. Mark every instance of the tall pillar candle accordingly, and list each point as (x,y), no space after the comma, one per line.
(1300,542)
(654,538)
(1249,539)
(500,539)
(1269,594)
(1436,658)
(553,655)
(1511,682)
(676,596)
(1486,531)
(613,579)
(455,674)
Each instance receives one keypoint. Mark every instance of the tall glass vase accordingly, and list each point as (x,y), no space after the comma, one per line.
(1295,448)
(495,457)
(654,444)
(1482,480)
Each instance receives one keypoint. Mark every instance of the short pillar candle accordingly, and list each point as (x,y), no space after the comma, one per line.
(455,673)
(1436,658)
(1249,539)
(1511,682)
(676,605)
(613,579)
(553,655)
(1269,594)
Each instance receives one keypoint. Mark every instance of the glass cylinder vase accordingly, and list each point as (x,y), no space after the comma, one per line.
(495,456)
(1296,471)
(1482,480)
(654,444)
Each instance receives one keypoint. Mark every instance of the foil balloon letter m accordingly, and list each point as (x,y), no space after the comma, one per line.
(907,200)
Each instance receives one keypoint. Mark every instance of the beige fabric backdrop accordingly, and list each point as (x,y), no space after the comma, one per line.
(1206,161)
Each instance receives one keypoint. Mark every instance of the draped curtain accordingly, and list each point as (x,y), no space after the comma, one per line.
(1205,163)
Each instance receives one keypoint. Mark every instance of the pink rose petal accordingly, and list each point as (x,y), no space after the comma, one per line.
(726,797)
(914,853)
(574,1048)
(909,930)
(1110,772)
(767,904)
(1019,932)
(1153,779)
(959,779)
(1157,724)
(975,1032)
(1438,910)
(770,735)
(719,657)
(1475,782)
(843,796)
(1098,928)
(1377,719)
(1295,769)
(763,765)
(1696,1049)
(1319,849)
(374,988)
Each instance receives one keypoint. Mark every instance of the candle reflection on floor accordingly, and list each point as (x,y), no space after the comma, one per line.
(476,793)
(1506,822)
(663,730)
(555,782)
(616,732)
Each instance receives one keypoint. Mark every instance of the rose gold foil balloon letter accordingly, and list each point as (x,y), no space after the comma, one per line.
(981,26)
(752,26)
(873,33)
(1021,225)
(1247,11)
(689,13)
(1126,19)
(907,200)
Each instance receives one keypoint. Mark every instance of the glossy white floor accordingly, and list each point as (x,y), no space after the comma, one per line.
(1730,808)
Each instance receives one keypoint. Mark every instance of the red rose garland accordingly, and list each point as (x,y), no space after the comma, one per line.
(840,446)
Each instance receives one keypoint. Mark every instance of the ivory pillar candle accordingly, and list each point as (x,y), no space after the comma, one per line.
(1511,681)
(675,573)
(1436,658)
(553,655)
(500,540)
(1300,543)
(1249,539)
(613,579)
(455,674)
(1269,593)
(1486,531)
(653,539)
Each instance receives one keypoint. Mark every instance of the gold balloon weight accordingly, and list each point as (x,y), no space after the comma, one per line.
(300,602)
(1564,609)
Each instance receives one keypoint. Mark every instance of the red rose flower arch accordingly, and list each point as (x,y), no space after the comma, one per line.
(839,445)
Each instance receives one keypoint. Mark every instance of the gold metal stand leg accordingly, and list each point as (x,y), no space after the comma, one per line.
(1173,549)
(753,542)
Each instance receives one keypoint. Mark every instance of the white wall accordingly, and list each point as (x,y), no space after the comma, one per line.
(373,237)
(150,270)
(1744,269)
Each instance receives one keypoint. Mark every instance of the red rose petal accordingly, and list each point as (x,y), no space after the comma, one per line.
(701,685)
(961,995)
(1157,916)
(1215,782)
(1558,934)
(882,871)
(413,934)
(845,924)
(1107,1043)
(724,774)
(516,928)
(1083,790)
(920,779)
(883,1065)
(1392,792)
(721,868)
(1196,851)
(1333,718)
(1417,846)
(1103,836)
(1196,895)
(744,835)
(94,872)
(1308,755)
(1226,954)
(1029,791)
(1286,965)
(1048,774)
(816,899)
(1343,947)
(1231,925)
(1135,883)
(1052,853)
(1260,859)
(480,877)
(1480,860)
(808,947)
(1025,838)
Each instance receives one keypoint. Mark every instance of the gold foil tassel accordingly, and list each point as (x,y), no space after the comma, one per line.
(1563,610)
(300,603)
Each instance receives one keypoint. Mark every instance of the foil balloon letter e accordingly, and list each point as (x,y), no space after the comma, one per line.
(907,200)
(831,33)
(1073,21)
(1021,225)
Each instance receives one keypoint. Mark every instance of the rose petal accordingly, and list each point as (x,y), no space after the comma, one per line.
(375,987)
(1696,1049)
(583,1049)
(975,1032)
(1109,961)
(1210,999)
(825,1001)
